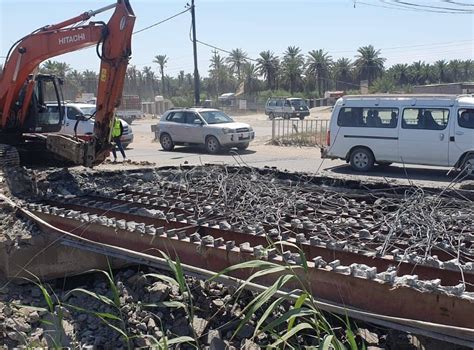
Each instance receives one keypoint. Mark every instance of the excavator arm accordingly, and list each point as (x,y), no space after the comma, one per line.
(113,46)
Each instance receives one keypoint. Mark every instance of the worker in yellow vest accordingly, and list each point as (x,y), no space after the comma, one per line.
(117,131)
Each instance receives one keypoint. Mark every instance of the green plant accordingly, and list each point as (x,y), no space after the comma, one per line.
(303,319)
(114,303)
(54,314)
(179,280)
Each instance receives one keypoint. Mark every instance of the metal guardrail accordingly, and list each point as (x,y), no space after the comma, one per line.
(308,132)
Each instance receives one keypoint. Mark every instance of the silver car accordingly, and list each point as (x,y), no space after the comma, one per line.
(202,126)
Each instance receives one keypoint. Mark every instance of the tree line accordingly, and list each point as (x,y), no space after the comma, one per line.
(293,73)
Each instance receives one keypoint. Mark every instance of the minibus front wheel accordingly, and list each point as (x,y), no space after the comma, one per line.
(362,159)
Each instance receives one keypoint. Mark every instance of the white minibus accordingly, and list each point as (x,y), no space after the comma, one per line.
(412,129)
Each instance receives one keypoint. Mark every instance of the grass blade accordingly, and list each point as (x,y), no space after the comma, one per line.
(286,316)
(291,333)
(298,303)
(164,278)
(99,297)
(167,304)
(261,299)
(267,313)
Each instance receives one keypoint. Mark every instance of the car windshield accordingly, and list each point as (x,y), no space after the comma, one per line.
(298,103)
(216,117)
(87,110)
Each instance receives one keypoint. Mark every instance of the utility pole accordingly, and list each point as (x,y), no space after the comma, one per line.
(196,72)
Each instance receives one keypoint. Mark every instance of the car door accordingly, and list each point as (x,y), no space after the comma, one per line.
(462,137)
(279,108)
(73,116)
(175,126)
(194,128)
(68,127)
(424,136)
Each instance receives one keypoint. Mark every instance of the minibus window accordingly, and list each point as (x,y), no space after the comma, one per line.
(466,118)
(425,118)
(369,117)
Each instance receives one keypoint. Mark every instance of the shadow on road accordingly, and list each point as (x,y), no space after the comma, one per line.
(399,172)
(200,150)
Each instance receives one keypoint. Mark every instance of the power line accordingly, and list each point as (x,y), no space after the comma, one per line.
(417,7)
(223,50)
(160,22)
(446,43)
(408,4)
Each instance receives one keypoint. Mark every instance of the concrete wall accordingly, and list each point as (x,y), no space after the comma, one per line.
(455,89)
(157,107)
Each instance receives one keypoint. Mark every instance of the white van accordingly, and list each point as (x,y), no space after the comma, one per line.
(412,129)
(286,107)
(78,115)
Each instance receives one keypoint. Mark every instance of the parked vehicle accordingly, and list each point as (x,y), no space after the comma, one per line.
(80,114)
(202,126)
(428,130)
(286,107)
(130,108)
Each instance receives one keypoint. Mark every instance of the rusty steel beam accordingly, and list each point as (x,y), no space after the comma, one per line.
(325,282)
(447,277)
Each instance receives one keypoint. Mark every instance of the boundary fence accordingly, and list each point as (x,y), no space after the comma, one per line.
(308,132)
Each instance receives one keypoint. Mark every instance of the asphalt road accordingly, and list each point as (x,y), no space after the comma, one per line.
(261,154)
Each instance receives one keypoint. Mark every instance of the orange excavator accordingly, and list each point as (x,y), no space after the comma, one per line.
(27,128)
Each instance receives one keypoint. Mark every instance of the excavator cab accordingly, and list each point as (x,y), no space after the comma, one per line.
(44,113)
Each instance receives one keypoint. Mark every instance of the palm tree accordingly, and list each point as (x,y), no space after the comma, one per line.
(181,78)
(267,65)
(73,84)
(416,73)
(149,81)
(400,73)
(250,75)
(455,70)
(90,81)
(318,65)
(293,65)
(369,64)
(441,69)
(131,80)
(467,70)
(342,72)
(236,59)
(161,60)
(217,72)
(59,69)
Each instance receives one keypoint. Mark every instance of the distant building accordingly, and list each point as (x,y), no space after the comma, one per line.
(157,107)
(451,88)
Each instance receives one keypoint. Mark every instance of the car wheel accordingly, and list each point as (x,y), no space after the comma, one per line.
(286,116)
(212,145)
(243,147)
(468,165)
(166,142)
(301,118)
(362,159)
(271,116)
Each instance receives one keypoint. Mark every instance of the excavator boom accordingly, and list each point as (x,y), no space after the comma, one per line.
(113,46)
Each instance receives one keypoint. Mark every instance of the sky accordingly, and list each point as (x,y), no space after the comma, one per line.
(337,26)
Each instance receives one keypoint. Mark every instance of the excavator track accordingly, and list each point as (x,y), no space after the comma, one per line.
(9,157)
